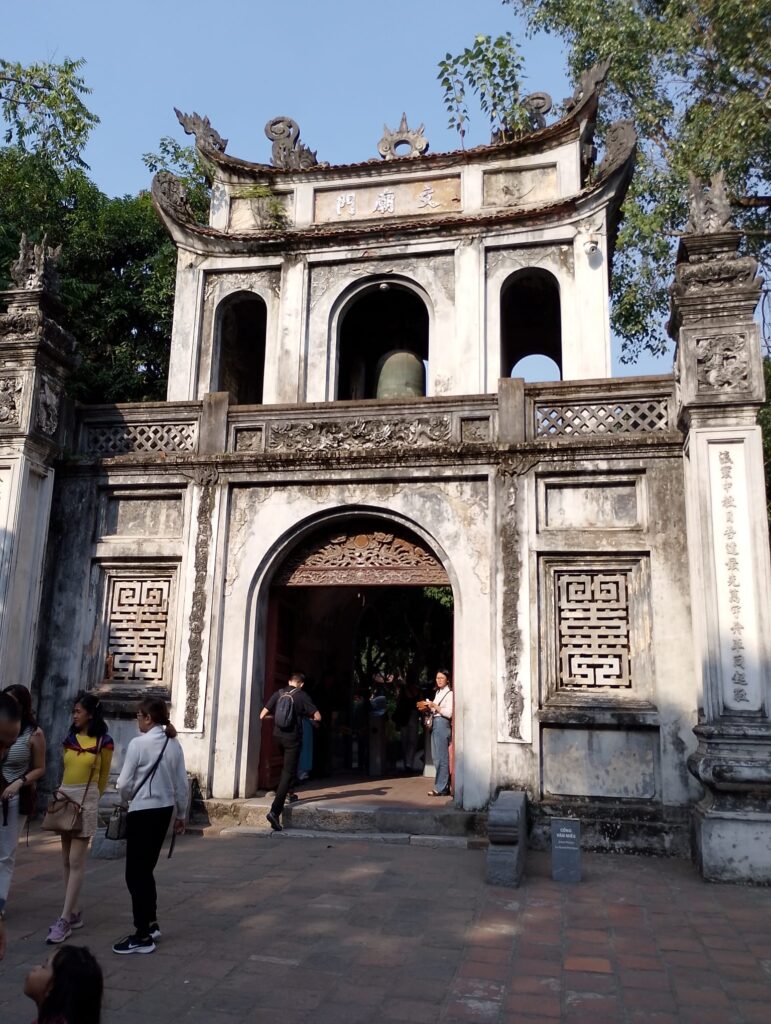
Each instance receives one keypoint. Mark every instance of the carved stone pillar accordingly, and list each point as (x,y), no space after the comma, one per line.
(720,387)
(35,360)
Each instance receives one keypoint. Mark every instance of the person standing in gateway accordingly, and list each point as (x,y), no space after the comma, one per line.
(288,707)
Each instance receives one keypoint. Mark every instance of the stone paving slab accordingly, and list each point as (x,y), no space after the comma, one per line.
(339,931)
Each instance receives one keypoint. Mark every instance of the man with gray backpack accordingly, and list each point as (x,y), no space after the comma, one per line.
(288,706)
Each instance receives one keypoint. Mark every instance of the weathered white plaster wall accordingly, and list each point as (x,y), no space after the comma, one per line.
(450,514)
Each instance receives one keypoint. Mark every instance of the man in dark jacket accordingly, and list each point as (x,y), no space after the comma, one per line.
(288,706)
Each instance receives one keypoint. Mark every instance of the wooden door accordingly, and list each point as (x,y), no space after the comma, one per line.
(278,654)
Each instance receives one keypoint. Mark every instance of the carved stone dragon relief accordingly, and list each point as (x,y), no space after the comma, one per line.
(47,415)
(372,557)
(11,389)
(722,363)
(358,435)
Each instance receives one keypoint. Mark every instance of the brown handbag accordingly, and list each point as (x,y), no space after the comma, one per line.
(64,815)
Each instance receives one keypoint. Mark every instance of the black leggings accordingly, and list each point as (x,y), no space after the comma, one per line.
(145,832)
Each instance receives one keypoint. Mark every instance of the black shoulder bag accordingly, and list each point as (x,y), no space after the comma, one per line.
(116,826)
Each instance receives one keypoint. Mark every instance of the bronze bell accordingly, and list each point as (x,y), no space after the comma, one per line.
(400,374)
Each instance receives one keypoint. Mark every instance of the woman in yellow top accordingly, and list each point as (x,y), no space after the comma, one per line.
(87,758)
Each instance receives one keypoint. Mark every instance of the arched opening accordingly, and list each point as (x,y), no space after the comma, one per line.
(536,369)
(242,322)
(365,610)
(530,319)
(383,347)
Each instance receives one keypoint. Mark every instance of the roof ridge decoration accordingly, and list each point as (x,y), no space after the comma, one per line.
(206,137)
(709,206)
(402,136)
(620,143)
(590,82)
(170,193)
(537,105)
(36,266)
(288,153)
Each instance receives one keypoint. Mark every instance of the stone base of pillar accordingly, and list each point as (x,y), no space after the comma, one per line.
(732,845)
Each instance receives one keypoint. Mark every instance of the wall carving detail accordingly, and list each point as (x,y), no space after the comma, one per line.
(593,629)
(635,416)
(207,483)
(250,440)
(367,558)
(138,618)
(47,416)
(722,363)
(358,435)
(10,399)
(125,438)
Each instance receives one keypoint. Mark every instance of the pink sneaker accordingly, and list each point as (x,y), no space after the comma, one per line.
(59,931)
(76,920)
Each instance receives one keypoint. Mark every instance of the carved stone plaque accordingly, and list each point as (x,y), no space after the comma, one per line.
(368,558)
(525,187)
(437,196)
(722,363)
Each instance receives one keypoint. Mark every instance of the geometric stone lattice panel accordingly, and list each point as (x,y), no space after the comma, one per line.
(138,614)
(623,417)
(141,437)
(593,629)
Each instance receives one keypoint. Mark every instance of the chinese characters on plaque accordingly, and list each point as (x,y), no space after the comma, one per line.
(373,202)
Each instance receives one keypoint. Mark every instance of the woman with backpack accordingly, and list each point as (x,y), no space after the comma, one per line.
(153,783)
(87,758)
(23,765)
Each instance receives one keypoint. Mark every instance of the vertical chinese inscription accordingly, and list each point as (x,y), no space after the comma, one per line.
(138,614)
(733,580)
(593,629)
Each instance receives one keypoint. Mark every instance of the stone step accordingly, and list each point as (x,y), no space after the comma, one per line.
(391,838)
(350,818)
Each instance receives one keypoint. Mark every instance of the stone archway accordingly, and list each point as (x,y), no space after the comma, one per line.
(323,590)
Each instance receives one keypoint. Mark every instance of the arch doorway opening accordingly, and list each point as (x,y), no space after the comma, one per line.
(531,323)
(367,616)
(383,348)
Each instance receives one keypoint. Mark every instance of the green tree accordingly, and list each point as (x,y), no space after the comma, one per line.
(43,109)
(695,77)
(117,267)
(491,69)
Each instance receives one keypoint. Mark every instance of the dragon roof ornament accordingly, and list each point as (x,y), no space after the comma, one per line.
(590,82)
(206,137)
(288,153)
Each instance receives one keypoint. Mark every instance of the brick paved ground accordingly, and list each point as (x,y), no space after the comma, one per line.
(264,929)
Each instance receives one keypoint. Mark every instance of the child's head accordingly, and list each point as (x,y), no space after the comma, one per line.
(67,987)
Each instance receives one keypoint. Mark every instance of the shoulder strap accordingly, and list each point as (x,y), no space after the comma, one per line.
(153,770)
(99,743)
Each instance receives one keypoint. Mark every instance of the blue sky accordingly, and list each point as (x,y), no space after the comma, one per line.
(340,68)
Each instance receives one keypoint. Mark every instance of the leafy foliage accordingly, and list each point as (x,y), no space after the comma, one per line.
(491,69)
(43,110)
(695,76)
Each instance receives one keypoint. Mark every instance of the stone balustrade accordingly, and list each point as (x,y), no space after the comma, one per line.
(566,411)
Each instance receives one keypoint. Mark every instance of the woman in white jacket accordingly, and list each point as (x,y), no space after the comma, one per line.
(154,785)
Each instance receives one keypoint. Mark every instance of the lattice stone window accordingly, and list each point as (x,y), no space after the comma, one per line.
(596,628)
(138,626)
(593,629)
(626,416)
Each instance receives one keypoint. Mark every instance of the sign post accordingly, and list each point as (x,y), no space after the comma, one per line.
(565,850)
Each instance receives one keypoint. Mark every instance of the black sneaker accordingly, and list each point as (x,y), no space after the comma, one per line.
(134,944)
(275,824)
(155,931)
